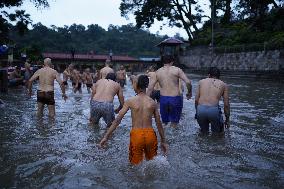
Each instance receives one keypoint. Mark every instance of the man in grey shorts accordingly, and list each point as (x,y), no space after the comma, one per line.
(103,92)
(208,94)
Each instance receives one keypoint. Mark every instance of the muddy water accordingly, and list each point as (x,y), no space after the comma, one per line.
(41,153)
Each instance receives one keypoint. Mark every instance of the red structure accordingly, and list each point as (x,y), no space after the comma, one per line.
(88,57)
(94,61)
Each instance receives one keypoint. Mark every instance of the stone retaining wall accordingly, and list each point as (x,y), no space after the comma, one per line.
(259,61)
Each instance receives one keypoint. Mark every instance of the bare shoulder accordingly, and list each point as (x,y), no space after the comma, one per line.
(131,101)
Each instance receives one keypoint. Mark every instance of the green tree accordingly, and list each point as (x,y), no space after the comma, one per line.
(180,13)
(20,17)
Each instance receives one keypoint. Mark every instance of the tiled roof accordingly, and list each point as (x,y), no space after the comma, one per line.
(170,41)
(87,57)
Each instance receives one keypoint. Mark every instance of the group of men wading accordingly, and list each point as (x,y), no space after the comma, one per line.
(162,86)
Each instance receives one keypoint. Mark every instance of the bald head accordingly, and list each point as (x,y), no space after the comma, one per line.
(47,62)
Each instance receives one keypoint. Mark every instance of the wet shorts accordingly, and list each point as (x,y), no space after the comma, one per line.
(45,97)
(155,95)
(102,109)
(121,82)
(89,85)
(171,108)
(143,141)
(210,114)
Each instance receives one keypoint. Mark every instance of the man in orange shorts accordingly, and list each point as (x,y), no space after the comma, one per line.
(143,139)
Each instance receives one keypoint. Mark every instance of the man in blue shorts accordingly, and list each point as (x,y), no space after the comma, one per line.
(208,94)
(171,100)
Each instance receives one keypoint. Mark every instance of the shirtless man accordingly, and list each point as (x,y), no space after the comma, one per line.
(103,92)
(45,93)
(77,80)
(143,139)
(105,70)
(96,76)
(156,92)
(88,79)
(15,77)
(121,76)
(208,95)
(27,74)
(67,74)
(171,101)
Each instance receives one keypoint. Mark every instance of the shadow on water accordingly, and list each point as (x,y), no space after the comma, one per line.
(63,153)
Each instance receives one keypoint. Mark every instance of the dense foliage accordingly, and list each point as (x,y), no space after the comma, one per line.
(19,17)
(121,40)
(235,21)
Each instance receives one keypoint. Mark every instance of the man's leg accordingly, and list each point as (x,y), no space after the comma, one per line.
(202,119)
(176,105)
(51,111)
(164,110)
(40,107)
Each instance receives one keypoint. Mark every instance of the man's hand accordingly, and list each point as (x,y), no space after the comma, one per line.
(227,123)
(64,97)
(30,93)
(102,142)
(165,148)
(116,110)
(188,96)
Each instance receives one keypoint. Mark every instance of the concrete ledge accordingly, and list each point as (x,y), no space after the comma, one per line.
(269,75)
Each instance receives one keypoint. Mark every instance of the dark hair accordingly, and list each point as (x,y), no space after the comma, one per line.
(214,72)
(168,59)
(111,76)
(143,82)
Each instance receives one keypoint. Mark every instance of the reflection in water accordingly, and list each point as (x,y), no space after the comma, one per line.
(63,153)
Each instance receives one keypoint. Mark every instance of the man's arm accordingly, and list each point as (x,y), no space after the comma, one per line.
(93,90)
(120,98)
(152,84)
(197,96)
(160,128)
(58,79)
(30,82)
(187,82)
(101,74)
(226,106)
(115,123)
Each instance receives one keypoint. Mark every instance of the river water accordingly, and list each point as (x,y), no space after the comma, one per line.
(41,153)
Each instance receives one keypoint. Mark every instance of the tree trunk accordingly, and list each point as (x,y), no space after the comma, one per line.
(227,16)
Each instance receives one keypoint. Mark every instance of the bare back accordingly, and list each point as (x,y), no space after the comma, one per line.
(142,110)
(168,78)
(210,91)
(46,77)
(104,71)
(105,90)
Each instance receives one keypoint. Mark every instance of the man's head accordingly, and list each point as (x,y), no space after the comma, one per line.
(152,68)
(47,62)
(27,65)
(111,76)
(71,66)
(214,72)
(121,67)
(107,62)
(168,59)
(88,70)
(142,82)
